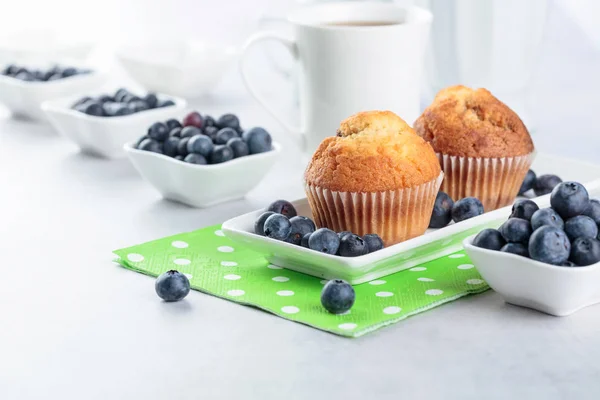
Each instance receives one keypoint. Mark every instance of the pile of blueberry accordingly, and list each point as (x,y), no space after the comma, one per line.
(39,75)
(281,222)
(123,102)
(565,234)
(204,140)
(541,185)
(446,210)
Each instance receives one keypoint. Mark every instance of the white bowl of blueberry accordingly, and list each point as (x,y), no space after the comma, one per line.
(201,161)
(23,89)
(547,259)
(100,124)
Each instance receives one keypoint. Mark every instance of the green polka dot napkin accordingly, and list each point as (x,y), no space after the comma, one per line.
(216,265)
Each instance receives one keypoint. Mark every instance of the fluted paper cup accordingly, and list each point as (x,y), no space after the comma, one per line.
(395,215)
(494,181)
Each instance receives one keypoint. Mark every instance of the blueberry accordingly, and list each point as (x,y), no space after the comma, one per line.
(38,75)
(92,108)
(324,240)
(546,216)
(304,241)
(228,121)
(466,208)
(224,135)
(277,227)
(190,131)
(527,182)
(549,245)
(343,233)
(337,296)
(158,131)
(239,147)
(172,286)
(138,106)
(209,121)
(170,146)
(179,157)
(182,146)
(516,248)
(593,211)
(151,145)
(373,241)
(104,98)
(175,132)
(193,119)
(490,239)
(220,154)
(545,183)
(581,226)
(211,132)
(25,76)
(9,69)
(300,227)
(569,199)
(120,94)
(194,158)
(151,100)
(140,140)
(131,99)
(283,207)
(259,225)
(171,123)
(67,72)
(258,140)
(54,77)
(352,246)
(116,109)
(585,251)
(524,209)
(516,230)
(200,144)
(165,103)
(442,211)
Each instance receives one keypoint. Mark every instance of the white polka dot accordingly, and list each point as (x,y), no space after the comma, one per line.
(281,279)
(179,244)
(465,266)
(384,294)
(418,269)
(348,326)
(324,281)
(391,310)
(232,277)
(236,292)
(377,282)
(189,276)
(219,233)
(425,279)
(182,261)
(135,257)
(434,292)
(225,249)
(456,256)
(229,264)
(474,281)
(285,293)
(290,309)
(271,266)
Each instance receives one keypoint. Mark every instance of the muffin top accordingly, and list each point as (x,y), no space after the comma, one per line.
(473,123)
(373,151)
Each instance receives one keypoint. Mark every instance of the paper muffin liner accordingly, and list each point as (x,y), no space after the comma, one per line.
(494,181)
(395,215)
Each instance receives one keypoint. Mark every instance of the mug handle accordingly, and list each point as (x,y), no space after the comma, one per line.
(291,46)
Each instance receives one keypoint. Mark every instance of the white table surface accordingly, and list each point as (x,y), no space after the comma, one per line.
(75,326)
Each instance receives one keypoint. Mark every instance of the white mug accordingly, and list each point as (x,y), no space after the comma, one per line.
(345,68)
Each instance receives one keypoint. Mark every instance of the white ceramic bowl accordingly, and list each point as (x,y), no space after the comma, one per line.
(548,288)
(105,136)
(186,69)
(202,185)
(24,99)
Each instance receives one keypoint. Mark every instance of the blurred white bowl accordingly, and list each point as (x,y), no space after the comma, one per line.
(202,185)
(41,46)
(186,69)
(105,136)
(24,99)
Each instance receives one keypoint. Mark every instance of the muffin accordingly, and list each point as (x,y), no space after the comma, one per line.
(375,176)
(483,147)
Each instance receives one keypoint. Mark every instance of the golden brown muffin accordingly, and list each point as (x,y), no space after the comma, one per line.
(376,176)
(473,123)
(373,152)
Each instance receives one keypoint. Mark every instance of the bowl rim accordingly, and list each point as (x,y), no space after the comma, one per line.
(468,244)
(58,106)
(276,149)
